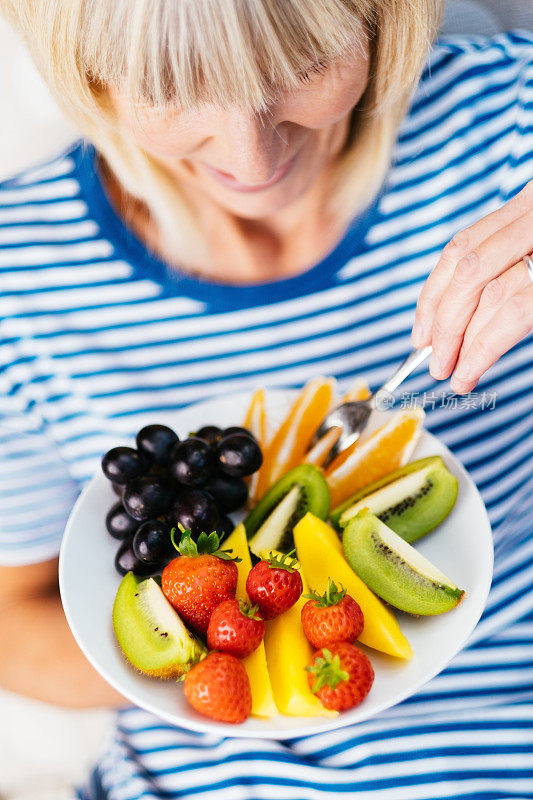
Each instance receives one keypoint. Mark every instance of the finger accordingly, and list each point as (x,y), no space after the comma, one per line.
(460,299)
(462,243)
(512,323)
(493,297)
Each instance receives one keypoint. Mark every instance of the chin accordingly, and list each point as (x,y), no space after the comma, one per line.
(264,204)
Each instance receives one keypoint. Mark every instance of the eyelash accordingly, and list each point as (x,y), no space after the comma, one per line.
(318,68)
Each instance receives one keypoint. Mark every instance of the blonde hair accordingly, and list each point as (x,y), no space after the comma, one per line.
(229,52)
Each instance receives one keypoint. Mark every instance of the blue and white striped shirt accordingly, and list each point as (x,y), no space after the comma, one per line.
(98,337)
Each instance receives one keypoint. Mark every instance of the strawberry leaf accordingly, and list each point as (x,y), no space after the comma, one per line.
(225,555)
(327,670)
(187,545)
(206,544)
(283,561)
(248,610)
(331,596)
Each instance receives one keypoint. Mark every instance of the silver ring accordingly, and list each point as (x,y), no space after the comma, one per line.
(528,261)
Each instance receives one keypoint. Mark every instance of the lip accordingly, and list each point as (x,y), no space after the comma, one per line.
(246,188)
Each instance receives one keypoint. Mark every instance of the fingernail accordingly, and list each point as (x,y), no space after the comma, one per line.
(435,368)
(459,386)
(462,374)
(461,380)
(418,335)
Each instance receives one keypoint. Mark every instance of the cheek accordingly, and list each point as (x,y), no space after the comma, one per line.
(324,112)
(163,140)
(163,135)
(331,99)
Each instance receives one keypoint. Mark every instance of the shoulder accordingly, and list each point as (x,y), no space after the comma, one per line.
(45,183)
(61,166)
(48,238)
(472,113)
(511,43)
(460,57)
(464,69)
(43,212)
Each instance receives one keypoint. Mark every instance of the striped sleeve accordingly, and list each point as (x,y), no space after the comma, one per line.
(36,489)
(520,163)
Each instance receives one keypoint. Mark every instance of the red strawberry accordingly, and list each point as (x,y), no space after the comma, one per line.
(331,617)
(274,585)
(235,628)
(341,676)
(219,687)
(200,579)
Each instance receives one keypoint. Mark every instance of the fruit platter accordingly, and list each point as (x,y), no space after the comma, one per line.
(220,573)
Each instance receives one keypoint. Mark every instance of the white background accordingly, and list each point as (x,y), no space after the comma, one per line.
(44,749)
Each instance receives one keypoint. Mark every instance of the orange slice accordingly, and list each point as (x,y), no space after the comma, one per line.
(255,419)
(291,440)
(387,449)
(318,454)
(358,391)
(255,422)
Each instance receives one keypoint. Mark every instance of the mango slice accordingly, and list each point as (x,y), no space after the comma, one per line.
(321,556)
(288,653)
(292,439)
(263,704)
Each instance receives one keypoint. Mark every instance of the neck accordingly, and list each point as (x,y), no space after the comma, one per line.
(242,250)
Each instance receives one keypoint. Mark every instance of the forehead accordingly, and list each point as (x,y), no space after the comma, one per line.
(321,81)
(194,53)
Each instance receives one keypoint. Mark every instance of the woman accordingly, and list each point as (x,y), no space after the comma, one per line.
(263,201)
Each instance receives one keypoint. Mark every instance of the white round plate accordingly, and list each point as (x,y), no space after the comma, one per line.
(461,547)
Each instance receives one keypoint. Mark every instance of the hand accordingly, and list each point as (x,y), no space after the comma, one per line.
(478,301)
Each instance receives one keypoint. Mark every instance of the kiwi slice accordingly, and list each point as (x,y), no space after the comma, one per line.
(394,570)
(270,524)
(150,633)
(412,500)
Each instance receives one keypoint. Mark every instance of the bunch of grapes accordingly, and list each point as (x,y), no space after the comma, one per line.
(164,483)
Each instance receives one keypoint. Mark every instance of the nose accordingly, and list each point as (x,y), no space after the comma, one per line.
(248,146)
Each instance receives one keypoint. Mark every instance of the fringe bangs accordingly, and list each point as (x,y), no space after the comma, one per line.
(228,52)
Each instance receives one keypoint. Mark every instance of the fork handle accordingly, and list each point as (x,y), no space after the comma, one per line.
(412,361)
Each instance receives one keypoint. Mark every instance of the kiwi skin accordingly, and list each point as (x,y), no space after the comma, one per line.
(159,646)
(315,497)
(395,571)
(412,466)
(164,673)
(411,516)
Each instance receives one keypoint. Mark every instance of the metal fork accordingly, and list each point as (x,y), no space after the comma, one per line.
(352,417)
